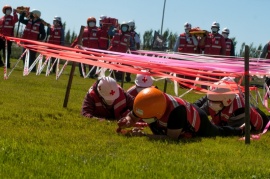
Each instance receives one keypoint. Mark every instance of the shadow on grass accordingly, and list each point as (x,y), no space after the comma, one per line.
(166,139)
(173,141)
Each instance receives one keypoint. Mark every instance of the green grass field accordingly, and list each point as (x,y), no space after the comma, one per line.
(41,139)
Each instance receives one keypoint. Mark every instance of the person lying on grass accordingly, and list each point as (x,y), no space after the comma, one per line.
(141,82)
(226,106)
(106,100)
(172,117)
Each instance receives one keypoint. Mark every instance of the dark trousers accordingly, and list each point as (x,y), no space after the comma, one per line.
(178,119)
(2,48)
(55,65)
(128,79)
(119,76)
(208,129)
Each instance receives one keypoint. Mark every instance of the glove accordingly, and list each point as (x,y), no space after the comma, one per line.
(123,123)
(136,131)
(128,121)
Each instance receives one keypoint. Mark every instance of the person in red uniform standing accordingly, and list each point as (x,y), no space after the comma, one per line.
(34,30)
(90,34)
(227,107)
(120,43)
(56,35)
(141,82)
(135,41)
(7,23)
(106,100)
(186,43)
(90,39)
(172,117)
(103,40)
(56,32)
(213,43)
(229,42)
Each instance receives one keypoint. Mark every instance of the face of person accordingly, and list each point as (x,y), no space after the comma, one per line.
(132,28)
(91,24)
(8,11)
(31,16)
(225,35)
(55,23)
(139,88)
(124,28)
(215,105)
(108,102)
(214,30)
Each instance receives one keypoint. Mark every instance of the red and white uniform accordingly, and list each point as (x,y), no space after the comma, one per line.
(31,30)
(93,106)
(103,37)
(55,35)
(132,91)
(193,117)
(120,42)
(186,44)
(229,44)
(90,37)
(226,113)
(214,44)
(7,24)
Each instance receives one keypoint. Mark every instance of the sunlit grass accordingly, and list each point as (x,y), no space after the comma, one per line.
(41,139)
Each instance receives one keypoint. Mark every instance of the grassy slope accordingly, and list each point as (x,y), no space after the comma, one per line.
(41,139)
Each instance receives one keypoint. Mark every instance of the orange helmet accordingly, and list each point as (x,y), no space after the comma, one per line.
(91,19)
(149,103)
(6,7)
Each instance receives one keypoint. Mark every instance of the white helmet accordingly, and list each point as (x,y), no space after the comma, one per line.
(225,80)
(57,18)
(131,23)
(108,89)
(226,30)
(187,25)
(215,24)
(125,23)
(220,94)
(143,81)
(102,17)
(36,12)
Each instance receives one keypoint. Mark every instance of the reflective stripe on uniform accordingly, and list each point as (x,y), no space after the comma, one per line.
(119,103)
(215,46)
